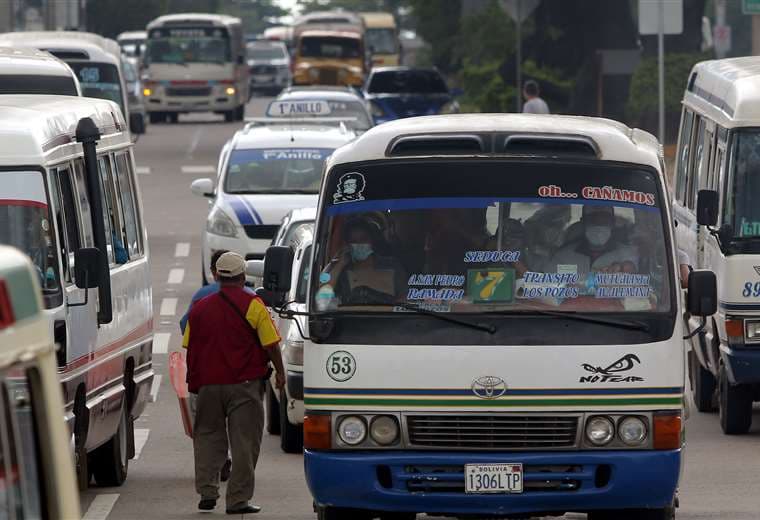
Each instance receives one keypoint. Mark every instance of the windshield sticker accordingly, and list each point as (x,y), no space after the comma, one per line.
(749,228)
(491,285)
(281,154)
(608,193)
(549,285)
(622,285)
(440,280)
(341,366)
(555,192)
(350,188)
(612,373)
(479,257)
(425,306)
(434,294)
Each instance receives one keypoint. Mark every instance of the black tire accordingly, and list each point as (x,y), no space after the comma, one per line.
(81,460)
(204,281)
(81,466)
(273,411)
(240,113)
(341,513)
(703,385)
(291,435)
(110,462)
(229,115)
(139,127)
(735,405)
(173,117)
(157,117)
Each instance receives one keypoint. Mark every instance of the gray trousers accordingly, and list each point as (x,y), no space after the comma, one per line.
(235,412)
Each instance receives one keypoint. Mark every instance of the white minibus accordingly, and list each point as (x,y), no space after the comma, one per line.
(494,325)
(31,71)
(69,200)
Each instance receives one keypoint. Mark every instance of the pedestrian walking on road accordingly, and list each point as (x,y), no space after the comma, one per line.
(533,102)
(230,338)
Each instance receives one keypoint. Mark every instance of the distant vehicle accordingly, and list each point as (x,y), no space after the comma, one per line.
(69,200)
(269,63)
(268,168)
(398,92)
(132,43)
(96,61)
(195,63)
(37,473)
(138,114)
(281,33)
(381,38)
(285,408)
(343,101)
(31,71)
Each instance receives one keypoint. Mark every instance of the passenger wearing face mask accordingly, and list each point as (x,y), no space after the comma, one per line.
(357,274)
(598,250)
(543,235)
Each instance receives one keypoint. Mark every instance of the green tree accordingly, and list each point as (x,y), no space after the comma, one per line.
(111,17)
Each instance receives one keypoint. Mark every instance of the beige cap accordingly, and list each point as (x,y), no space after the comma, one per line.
(230,265)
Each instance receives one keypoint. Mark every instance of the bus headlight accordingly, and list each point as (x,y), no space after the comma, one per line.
(219,223)
(600,430)
(147,92)
(230,91)
(352,430)
(384,430)
(752,331)
(632,431)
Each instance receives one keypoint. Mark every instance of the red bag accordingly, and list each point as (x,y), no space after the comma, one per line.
(178,378)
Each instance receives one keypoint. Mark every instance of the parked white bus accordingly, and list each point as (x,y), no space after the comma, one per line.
(494,324)
(69,199)
(36,472)
(196,63)
(718,216)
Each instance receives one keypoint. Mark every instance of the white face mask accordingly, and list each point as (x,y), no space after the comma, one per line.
(598,236)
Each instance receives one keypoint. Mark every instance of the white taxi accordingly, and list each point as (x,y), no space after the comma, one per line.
(270,167)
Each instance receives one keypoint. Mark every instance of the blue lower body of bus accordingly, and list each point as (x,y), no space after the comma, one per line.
(433,482)
(742,364)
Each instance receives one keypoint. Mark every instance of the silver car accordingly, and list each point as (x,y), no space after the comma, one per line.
(269,63)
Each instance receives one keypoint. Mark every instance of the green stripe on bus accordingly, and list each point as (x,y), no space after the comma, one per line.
(675,401)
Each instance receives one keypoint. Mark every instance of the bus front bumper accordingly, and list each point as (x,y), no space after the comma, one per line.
(433,482)
(742,364)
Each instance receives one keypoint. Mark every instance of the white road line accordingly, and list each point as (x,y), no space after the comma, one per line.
(155,387)
(182,249)
(168,307)
(141,437)
(101,507)
(143,170)
(161,343)
(198,170)
(176,276)
(194,143)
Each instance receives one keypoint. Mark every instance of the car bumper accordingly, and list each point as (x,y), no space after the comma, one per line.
(742,365)
(277,82)
(411,481)
(214,103)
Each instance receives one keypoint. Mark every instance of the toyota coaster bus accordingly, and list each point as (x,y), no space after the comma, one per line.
(494,326)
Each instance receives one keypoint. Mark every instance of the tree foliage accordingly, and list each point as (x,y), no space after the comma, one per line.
(111,17)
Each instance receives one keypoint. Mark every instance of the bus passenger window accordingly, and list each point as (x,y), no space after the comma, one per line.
(66,216)
(697,168)
(114,235)
(128,204)
(684,149)
(80,192)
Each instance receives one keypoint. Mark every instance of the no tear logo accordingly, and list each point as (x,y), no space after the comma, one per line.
(350,188)
(612,372)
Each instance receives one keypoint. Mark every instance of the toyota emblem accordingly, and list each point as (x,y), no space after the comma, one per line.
(489,387)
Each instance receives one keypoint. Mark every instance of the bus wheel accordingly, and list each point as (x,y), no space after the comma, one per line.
(291,435)
(702,385)
(240,113)
(110,462)
(273,411)
(157,117)
(735,405)
(340,513)
(229,115)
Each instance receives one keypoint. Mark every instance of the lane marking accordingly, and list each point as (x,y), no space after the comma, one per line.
(155,387)
(182,249)
(161,344)
(141,437)
(198,170)
(142,170)
(176,276)
(101,506)
(194,143)
(168,307)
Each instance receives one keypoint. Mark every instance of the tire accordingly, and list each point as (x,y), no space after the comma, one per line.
(157,117)
(81,467)
(240,113)
(204,281)
(110,463)
(229,115)
(735,405)
(703,385)
(291,435)
(273,411)
(173,117)
(340,513)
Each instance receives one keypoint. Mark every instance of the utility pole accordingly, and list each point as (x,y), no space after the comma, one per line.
(661,72)
(518,53)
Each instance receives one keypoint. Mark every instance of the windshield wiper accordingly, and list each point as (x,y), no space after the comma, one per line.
(578,316)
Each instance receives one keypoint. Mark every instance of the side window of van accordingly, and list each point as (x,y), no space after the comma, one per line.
(62,194)
(117,252)
(684,155)
(303,276)
(125,177)
(697,166)
(80,192)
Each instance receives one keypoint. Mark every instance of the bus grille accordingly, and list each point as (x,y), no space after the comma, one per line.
(200,92)
(263,69)
(514,432)
(328,77)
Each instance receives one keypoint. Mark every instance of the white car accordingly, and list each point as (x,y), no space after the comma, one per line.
(266,170)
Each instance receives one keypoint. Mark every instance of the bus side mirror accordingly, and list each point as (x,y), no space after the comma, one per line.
(702,299)
(278,266)
(707,208)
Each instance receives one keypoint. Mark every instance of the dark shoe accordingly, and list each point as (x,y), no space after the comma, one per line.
(207,504)
(244,510)
(224,475)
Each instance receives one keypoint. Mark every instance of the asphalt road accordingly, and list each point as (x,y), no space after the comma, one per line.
(721,473)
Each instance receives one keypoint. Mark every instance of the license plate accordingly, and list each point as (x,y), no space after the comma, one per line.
(493,478)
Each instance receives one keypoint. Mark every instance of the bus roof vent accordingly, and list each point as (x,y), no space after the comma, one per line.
(436,145)
(69,55)
(551,145)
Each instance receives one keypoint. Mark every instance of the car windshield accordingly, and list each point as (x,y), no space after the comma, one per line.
(188,45)
(36,84)
(741,210)
(131,47)
(99,80)
(407,82)
(330,47)
(381,41)
(275,170)
(265,52)
(25,224)
(515,237)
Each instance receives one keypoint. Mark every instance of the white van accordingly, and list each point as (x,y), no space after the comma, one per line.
(36,472)
(30,71)
(718,217)
(69,199)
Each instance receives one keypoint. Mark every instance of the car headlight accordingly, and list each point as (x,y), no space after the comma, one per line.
(352,430)
(452,107)
(600,430)
(376,110)
(384,430)
(219,223)
(632,431)
(294,352)
(752,331)
(230,91)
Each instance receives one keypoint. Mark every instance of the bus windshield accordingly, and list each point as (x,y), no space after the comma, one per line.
(25,224)
(512,237)
(381,41)
(741,210)
(330,47)
(275,170)
(187,45)
(99,80)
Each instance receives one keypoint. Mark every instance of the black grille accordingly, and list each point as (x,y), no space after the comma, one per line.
(492,431)
(328,77)
(261,232)
(201,91)
(263,69)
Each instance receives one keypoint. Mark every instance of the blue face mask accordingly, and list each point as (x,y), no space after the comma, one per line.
(598,236)
(360,252)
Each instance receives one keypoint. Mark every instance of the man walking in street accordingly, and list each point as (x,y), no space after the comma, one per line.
(533,102)
(230,339)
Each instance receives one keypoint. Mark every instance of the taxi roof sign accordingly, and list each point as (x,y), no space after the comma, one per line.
(300,108)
